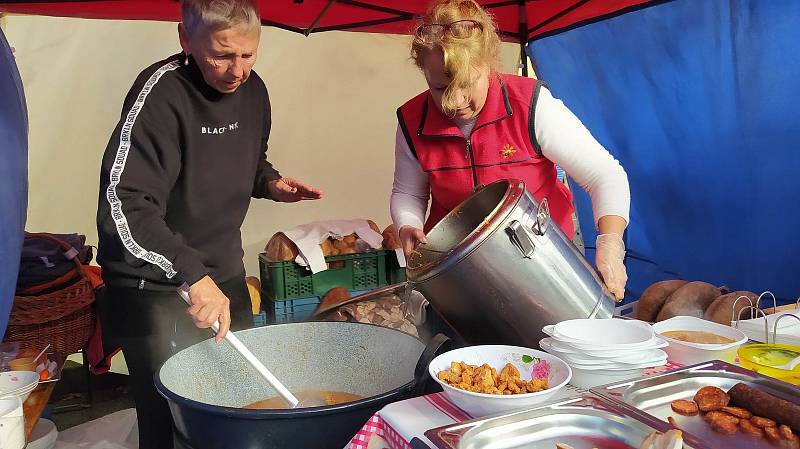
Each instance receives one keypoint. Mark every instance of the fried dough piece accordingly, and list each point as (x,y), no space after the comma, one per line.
(750,429)
(737,412)
(711,398)
(684,407)
(762,422)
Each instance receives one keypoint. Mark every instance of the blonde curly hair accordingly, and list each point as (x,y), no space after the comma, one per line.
(468,45)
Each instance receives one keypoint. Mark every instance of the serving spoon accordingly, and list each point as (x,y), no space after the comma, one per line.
(234,341)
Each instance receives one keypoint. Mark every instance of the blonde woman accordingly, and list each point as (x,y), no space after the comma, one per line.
(475,125)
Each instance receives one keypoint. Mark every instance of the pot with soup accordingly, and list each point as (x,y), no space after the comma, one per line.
(341,372)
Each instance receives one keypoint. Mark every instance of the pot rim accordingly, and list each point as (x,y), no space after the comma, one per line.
(256,414)
(487,228)
(236,412)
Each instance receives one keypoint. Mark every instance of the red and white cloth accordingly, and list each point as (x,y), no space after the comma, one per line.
(394,426)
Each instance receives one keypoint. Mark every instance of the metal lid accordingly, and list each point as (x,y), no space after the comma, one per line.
(465,229)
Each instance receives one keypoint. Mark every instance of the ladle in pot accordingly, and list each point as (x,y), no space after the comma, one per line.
(234,341)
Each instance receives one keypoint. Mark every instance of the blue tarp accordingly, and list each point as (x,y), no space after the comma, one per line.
(13,176)
(699,101)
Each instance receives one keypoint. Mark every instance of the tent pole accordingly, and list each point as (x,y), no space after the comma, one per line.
(319,17)
(523,37)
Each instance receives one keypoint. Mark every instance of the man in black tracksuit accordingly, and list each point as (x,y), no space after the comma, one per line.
(177,176)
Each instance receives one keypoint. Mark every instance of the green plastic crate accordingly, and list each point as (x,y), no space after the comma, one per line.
(288,280)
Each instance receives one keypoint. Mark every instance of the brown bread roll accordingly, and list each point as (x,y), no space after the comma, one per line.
(654,297)
(390,238)
(280,248)
(690,300)
(721,310)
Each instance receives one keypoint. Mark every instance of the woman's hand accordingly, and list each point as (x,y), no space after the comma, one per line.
(410,238)
(209,304)
(609,259)
(289,190)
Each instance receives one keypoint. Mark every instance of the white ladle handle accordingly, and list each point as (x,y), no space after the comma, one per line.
(242,349)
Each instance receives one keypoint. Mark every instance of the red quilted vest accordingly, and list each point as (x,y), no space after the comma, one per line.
(502,146)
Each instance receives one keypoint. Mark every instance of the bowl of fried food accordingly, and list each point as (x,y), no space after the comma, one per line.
(489,379)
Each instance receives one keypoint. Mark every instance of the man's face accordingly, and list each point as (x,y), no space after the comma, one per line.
(225,57)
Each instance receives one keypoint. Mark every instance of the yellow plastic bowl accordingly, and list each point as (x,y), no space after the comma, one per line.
(762,358)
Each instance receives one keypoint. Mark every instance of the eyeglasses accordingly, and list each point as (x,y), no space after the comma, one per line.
(459,29)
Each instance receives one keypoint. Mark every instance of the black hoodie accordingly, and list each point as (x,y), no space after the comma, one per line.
(177,177)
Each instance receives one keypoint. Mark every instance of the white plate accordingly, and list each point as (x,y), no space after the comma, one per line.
(480,404)
(589,379)
(17,381)
(655,356)
(600,352)
(606,332)
(654,342)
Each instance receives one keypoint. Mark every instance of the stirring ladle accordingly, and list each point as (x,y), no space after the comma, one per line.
(242,349)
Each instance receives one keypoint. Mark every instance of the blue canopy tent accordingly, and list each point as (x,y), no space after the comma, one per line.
(13,176)
(698,101)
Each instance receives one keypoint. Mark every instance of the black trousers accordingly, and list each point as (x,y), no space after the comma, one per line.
(150,326)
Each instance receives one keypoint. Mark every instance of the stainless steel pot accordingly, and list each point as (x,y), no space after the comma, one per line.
(498,269)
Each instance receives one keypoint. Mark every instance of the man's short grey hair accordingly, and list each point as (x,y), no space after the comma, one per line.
(215,15)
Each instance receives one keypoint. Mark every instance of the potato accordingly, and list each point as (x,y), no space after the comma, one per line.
(721,310)
(654,297)
(691,299)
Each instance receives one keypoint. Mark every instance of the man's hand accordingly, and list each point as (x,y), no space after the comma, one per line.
(288,190)
(410,238)
(209,304)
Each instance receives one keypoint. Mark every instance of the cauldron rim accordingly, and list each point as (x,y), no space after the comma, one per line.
(236,412)
(256,414)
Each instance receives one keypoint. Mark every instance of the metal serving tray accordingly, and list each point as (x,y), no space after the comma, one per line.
(583,422)
(650,397)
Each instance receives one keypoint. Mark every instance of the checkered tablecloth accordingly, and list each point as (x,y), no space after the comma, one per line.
(394,426)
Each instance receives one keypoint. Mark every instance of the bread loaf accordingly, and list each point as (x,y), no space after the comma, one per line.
(654,297)
(390,238)
(721,310)
(691,299)
(280,248)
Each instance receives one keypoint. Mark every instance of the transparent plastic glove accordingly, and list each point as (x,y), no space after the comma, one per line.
(609,260)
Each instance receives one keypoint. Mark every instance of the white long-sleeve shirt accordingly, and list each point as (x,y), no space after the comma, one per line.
(564,141)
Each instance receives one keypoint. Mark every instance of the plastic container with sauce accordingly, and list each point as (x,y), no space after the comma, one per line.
(688,353)
(763,359)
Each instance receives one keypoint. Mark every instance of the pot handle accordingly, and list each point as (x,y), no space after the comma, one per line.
(431,351)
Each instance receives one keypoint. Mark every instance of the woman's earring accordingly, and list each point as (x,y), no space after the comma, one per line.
(186,61)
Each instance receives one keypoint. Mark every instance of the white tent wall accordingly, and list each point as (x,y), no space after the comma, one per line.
(333,98)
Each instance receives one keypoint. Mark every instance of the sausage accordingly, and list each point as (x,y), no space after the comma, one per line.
(767,405)
(737,412)
(690,300)
(654,297)
(711,398)
(684,407)
(721,310)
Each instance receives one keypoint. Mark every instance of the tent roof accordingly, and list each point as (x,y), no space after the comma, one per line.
(544,17)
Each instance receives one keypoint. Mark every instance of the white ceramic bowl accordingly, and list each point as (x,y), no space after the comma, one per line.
(480,404)
(692,353)
(18,383)
(583,378)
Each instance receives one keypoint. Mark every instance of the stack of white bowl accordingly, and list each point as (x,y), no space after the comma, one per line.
(603,351)
(18,383)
